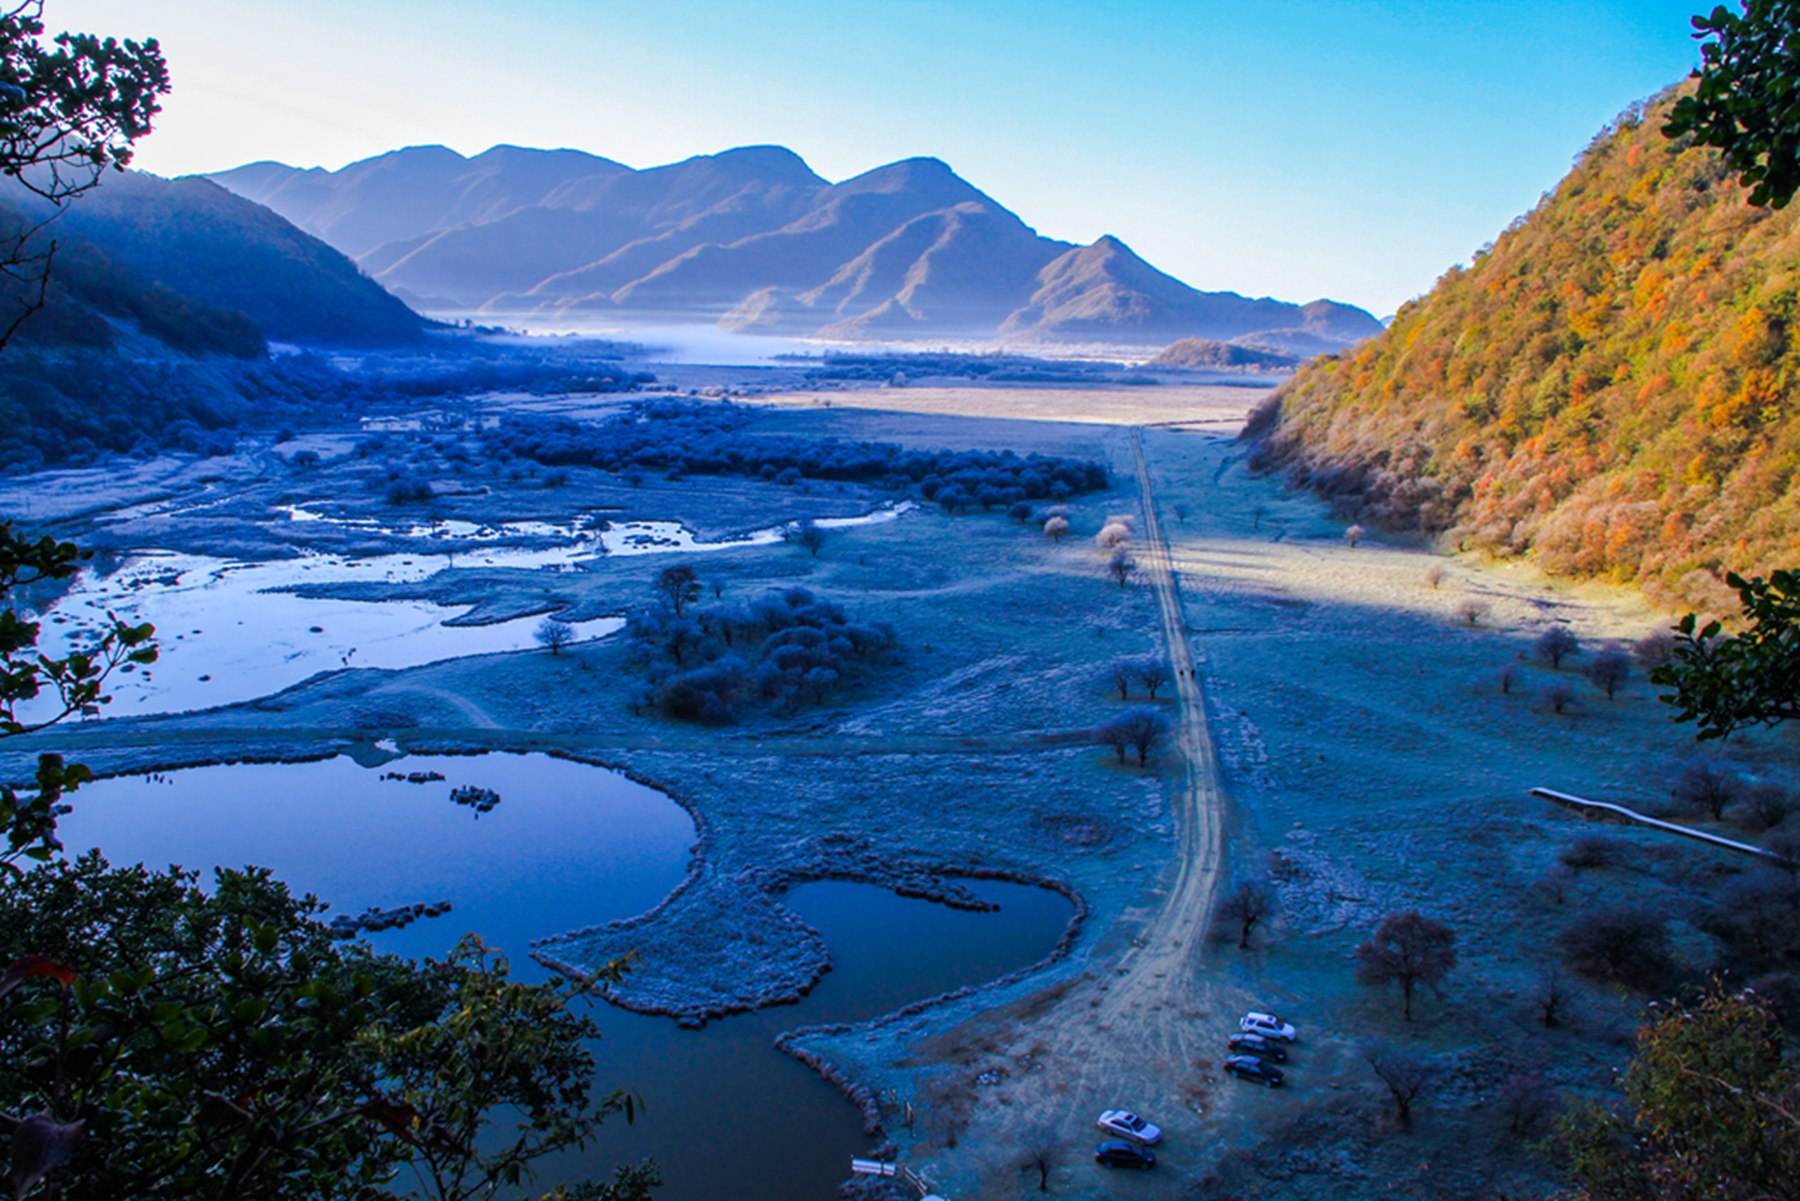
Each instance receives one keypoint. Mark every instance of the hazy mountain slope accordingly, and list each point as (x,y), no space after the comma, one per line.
(577,243)
(1609,389)
(1205,354)
(1092,293)
(754,239)
(200,241)
(411,192)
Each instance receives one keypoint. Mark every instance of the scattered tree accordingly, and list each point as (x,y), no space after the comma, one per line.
(1150,672)
(1620,944)
(1705,786)
(679,585)
(1405,1075)
(553,635)
(1115,533)
(1353,535)
(1594,850)
(1057,528)
(1119,674)
(1556,644)
(1181,512)
(1526,1100)
(1248,905)
(1473,612)
(1121,566)
(807,533)
(1654,649)
(1759,914)
(1434,576)
(1551,997)
(1139,730)
(1508,680)
(1764,805)
(1407,949)
(1560,698)
(1728,681)
(1020,511)
(1041,1157)
(1609,670)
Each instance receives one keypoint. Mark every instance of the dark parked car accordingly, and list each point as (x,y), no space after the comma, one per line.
(1248,1067)
(1117,1153)
(1257,1045)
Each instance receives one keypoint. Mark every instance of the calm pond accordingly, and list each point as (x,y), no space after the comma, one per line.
(727,1116)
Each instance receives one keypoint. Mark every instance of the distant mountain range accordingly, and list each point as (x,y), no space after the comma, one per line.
(190,265)
(753,239)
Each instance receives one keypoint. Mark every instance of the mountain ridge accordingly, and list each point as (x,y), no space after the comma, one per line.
(753,239)
(1606,390)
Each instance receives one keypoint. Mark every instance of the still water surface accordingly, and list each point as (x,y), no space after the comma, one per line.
(569,845)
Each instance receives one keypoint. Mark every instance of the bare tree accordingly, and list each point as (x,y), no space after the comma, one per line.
(1560,698)
(1248,905)
(1140,730)
(807,533)
(679,585)
(1550,997)
(1118,674)
(1120,566)
(1353,535)
(1704,786)
(1057,528)
(1654,650)
(1556,644)
(1405,1075)
(1509,679)
(1765,805)
(1181,512)
(1114,734)
(1434,576)
(1525,1100)
(1609,670)
(1151,673)
(1473,612)
(553,635)
(1408,949)
(1041,1156)
(1622,944)
(1147,728)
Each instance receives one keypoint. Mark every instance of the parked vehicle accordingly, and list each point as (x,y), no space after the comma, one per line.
(1269,1026)
(1259,1046)
(1128,1125)
(1249,1067)
(1117,1153)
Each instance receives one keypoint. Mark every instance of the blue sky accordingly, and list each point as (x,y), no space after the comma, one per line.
(1295,148)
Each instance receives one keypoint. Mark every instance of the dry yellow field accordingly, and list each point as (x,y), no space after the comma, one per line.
(1211,406)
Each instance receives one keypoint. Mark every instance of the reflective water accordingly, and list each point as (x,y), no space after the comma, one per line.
(727,1115)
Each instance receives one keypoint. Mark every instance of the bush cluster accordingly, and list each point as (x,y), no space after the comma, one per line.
(786,649)
(681,438)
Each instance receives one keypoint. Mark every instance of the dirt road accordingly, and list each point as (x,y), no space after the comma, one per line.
(1140,1029)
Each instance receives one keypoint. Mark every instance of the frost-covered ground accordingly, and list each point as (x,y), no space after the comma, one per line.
(1372,762)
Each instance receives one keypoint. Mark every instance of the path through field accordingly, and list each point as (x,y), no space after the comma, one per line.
(1141,1031)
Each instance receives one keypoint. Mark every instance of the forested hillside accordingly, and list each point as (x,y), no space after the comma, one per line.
(1609,389)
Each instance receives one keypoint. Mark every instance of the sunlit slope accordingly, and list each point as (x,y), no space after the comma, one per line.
(1609,389)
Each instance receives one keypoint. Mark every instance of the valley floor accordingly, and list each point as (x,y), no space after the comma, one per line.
(1366,761)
